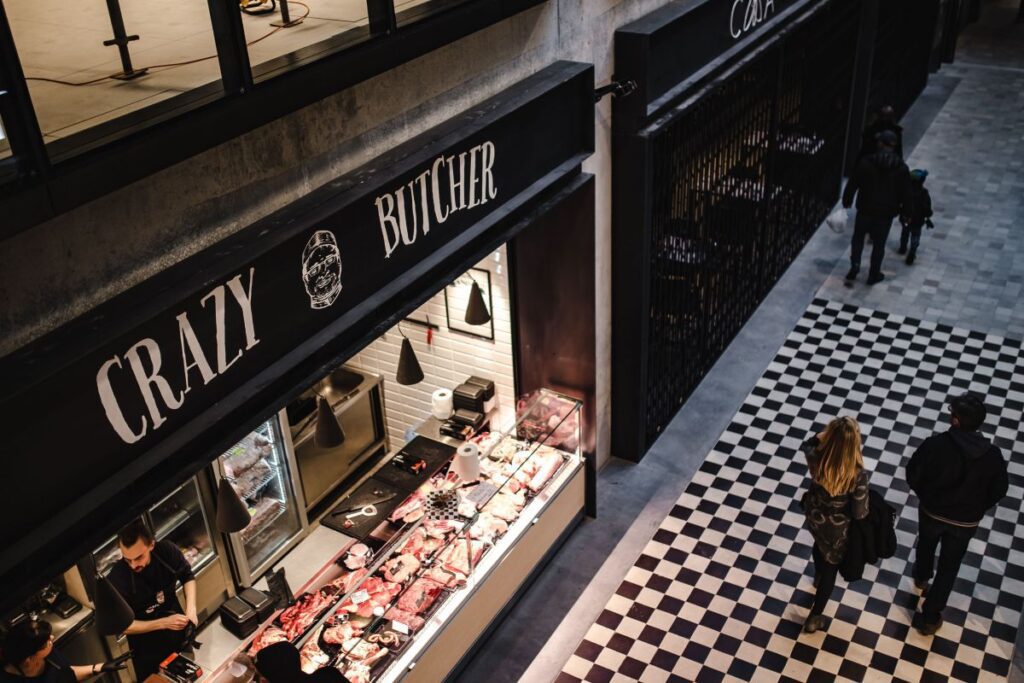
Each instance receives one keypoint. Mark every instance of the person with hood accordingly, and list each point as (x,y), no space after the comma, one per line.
(885,120)
(957,475)
(881,183)
(916,214)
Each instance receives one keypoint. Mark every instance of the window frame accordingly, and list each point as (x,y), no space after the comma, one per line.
(39,181)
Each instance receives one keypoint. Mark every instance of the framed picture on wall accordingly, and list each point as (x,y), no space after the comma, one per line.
(456,301)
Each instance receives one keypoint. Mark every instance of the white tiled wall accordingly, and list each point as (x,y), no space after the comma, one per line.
(450,358)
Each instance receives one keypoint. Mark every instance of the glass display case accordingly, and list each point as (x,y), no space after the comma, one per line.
(261,472)
(387,601)
(179,518)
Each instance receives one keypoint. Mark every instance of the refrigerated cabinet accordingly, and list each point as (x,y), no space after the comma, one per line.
(261,469)
(181,518)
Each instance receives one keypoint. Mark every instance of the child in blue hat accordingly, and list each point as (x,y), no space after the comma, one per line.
(917,212)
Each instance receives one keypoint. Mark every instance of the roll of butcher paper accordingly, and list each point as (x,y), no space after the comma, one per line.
(441,404)
(467,462)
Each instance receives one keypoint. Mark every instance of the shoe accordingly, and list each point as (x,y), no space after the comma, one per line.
(874,279)
(921,586)
(926,629)
(902,249)
(813,623)
(852,275)
(910,259)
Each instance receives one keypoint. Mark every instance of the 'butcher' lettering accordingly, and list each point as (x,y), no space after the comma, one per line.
(452,183)
(146,361)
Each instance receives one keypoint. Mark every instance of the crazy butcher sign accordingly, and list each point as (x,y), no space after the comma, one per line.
(144,390)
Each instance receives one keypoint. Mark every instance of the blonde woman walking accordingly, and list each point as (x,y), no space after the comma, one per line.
(838,492)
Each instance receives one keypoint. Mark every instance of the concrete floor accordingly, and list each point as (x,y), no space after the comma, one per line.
(64,41)
(959,105)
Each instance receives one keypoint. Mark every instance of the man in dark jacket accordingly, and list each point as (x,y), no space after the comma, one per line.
(881,183)
(885,120)
(957,476)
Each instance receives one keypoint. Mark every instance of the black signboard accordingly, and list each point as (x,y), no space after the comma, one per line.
(665,48)
(97,411)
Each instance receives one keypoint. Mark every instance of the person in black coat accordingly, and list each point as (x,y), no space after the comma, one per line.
(885,120)
(837,496)
(881,183)
(916,214)
(957,475)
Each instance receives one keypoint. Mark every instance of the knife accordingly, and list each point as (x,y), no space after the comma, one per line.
(374,501)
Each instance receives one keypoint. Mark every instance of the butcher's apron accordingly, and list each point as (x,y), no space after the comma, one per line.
(149,603)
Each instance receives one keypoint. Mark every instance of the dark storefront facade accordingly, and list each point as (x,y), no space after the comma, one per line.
(153,386)
(725,162)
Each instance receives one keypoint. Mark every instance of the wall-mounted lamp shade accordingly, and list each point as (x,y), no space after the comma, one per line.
(476,309)
(232,515)
(329,433)
(409,370)
(113,614)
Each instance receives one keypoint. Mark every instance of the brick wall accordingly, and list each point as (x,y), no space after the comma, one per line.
(450,358)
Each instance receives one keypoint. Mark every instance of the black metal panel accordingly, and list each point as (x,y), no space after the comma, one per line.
(192,126)
(903,45)
(669,50)
(740,176)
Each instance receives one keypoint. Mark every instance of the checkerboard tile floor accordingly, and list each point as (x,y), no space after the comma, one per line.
(722,589)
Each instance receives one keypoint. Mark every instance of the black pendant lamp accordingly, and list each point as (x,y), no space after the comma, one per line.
(476,309)
(329,433)
(113,614)
(409,370)
(232,514)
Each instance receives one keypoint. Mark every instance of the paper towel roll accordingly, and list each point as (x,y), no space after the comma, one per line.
(467,462)
(441,404)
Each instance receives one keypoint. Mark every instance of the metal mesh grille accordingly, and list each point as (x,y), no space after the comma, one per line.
(741,180)
(899,69)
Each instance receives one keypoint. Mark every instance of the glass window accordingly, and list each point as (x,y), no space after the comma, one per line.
(281,33)
(77,82)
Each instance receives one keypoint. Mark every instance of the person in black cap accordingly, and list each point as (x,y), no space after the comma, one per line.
(957,475)
(916,214)
(881,183)
(885,120)
(28,656)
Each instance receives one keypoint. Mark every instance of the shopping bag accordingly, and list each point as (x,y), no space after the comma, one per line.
(837,219)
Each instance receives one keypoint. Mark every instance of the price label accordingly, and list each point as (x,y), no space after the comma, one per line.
(360,597)
(481,493)
(399,627)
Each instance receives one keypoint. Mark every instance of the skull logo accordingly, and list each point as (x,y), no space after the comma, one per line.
(321,269)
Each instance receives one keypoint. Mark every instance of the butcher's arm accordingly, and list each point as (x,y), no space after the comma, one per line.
(84,672)
(149,625)
(190,601)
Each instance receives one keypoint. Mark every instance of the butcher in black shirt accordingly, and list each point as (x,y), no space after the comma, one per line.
(147,577)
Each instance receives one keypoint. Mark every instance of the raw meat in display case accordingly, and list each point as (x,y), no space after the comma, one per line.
(370,622)
(258,469)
